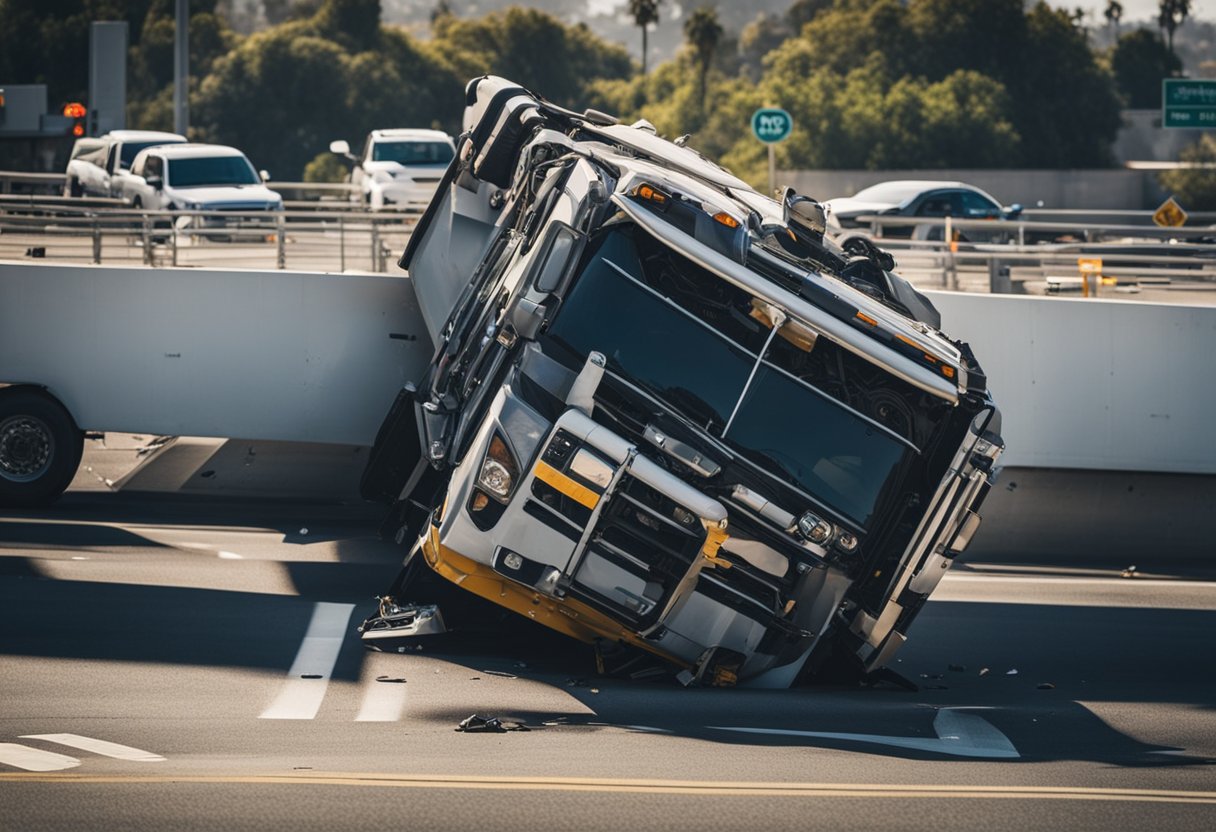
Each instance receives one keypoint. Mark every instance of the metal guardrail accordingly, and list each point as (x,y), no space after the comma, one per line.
(324,239)
(317,240)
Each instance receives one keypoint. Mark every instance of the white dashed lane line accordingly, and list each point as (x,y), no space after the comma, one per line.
(103,747)
(33,759)
(307,681)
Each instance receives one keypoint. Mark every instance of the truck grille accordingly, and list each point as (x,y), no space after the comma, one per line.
(649,536)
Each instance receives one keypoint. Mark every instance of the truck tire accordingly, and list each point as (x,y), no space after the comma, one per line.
(40,448)
(74,188)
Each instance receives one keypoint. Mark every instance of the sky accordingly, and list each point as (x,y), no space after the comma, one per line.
(1134,10)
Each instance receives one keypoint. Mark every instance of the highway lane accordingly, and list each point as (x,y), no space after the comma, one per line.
(217,635)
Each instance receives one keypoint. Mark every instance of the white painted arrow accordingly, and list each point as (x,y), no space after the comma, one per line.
(958,734)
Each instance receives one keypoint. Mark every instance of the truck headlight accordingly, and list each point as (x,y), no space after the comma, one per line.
(499,470)
(814,528)
(846,542)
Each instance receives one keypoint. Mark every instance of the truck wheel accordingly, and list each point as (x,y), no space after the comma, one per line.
(74,188)
(40,448)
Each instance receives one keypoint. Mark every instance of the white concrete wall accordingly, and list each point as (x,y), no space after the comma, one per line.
(1109,385)
(197,352)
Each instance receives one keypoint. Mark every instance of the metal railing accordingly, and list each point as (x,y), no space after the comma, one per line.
(311,240)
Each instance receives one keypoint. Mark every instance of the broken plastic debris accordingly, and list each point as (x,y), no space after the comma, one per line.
(595,690)
(1129,572)
(208,474)
(394,679)
(476,724)
(577,683)
(501,673)
(1013,671)
(304,530)
(984,671)
(1046,686)
(310,675)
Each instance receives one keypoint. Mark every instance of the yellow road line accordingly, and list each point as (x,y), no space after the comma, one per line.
(672,787)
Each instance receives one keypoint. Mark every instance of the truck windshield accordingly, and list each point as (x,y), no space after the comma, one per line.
(412,153)
(212,170)
(781,423)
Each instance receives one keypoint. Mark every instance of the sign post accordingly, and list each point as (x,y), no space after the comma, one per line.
(1188,102)
(1089,267)
(771,125)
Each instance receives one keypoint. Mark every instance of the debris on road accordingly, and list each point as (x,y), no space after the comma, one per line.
(1046,686)
(984,671)
(476,724)
(1129,572)
(1011,672)
(393,679)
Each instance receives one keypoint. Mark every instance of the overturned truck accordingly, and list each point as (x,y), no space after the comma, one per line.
(664,411)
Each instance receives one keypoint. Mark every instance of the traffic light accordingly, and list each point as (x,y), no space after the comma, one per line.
(77,112)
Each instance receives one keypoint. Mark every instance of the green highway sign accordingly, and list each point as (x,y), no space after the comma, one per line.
(772,124)
(1186,102)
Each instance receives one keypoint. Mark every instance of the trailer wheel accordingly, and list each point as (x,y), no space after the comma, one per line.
(40,448)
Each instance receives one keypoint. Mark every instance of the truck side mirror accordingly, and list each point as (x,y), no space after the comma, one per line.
(555,257)
(264,175)
(341,147)
(155,182)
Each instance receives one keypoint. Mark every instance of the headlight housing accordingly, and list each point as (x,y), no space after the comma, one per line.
(499,471)
(815,529)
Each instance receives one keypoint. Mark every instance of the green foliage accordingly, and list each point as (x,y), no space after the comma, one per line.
(1140,60)
(1194,188)
(326,167)
(532,48)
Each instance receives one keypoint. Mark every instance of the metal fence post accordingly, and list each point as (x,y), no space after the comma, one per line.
(280,238)
(147,233)
(375,245)
(341,243)
(96,241)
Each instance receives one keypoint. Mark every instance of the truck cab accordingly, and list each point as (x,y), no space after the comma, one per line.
(666,412)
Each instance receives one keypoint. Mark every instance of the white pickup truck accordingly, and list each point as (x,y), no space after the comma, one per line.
(199,177)
(101,166)
(398,168)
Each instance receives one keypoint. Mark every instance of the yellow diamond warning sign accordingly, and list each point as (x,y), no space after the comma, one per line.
(1170,214)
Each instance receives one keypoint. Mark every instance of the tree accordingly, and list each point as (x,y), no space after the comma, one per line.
(1113,14)
(1140,60)
(703,33)
(1195,187)
(644,13)
(802,12)
(1172,13)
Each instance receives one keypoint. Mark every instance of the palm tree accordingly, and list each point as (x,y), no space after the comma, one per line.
(1113,14)
(1173,12)
(703,32)
(644,13)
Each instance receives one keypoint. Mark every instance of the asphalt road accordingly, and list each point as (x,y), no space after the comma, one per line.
(212,641)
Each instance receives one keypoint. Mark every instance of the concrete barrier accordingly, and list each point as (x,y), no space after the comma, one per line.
(1093,384)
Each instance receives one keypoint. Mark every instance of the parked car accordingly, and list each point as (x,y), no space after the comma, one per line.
(99,166)
(398,168)
(200,177)
(917,198)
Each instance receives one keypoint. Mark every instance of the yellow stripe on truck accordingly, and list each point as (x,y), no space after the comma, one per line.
(576,491)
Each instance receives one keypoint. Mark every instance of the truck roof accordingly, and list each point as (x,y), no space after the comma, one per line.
(143,136)
(195,151)
(416,133)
